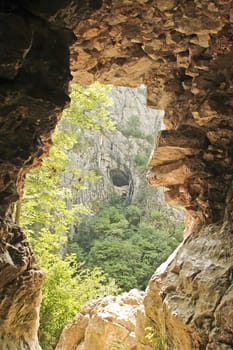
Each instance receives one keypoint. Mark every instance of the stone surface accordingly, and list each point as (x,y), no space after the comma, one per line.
(20,291)
(190,296)
(182,51)
(34,78)
(112,153)
(108,324)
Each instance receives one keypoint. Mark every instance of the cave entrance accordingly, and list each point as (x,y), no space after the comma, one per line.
(123,183)
(119,178)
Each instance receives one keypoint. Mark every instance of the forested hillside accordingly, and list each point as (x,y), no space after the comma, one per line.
(125,242)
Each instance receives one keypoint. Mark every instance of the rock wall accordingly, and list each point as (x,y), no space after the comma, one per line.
(182,51)
(190,297)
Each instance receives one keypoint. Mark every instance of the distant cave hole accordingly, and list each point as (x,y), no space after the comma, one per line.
(119,178)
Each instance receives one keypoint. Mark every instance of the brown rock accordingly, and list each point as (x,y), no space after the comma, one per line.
(202,25)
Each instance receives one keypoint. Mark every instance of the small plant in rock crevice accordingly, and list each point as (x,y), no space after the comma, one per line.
(154,338)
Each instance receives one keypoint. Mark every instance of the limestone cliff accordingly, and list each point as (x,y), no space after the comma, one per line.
(120,156)
(182,51)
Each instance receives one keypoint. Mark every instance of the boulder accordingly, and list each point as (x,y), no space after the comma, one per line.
(190,296)
(111,323)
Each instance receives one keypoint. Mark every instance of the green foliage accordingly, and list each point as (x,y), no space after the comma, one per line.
(83,142)
(111,222)
(67,287)
(46,217)
(115,200)
(120,241)
(156,215)
(133,128)
(154,338)
(150,139)
(45,198)
(133,215)
(88,108)
(115,257)
(141,160)
(125,243)
(46,193)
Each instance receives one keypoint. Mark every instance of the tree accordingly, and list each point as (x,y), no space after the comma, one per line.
(119,259)
(126,243)
(43,186)
(46,217)
(88,107)
(66,289)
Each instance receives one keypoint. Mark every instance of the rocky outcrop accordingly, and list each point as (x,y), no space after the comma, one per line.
(20,291)
(182,51)
(190,297)
(114,322)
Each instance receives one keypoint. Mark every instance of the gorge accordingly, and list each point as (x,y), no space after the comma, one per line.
(182,51)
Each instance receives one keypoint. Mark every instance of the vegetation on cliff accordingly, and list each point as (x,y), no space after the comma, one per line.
(46,217)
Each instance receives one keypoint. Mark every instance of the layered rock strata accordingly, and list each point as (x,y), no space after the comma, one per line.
(182,50)
(20,291)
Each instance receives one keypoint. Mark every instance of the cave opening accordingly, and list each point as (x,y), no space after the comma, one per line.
(183,53)
(107,234)
(119,178)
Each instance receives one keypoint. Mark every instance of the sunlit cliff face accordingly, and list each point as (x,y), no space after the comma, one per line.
(182,51)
